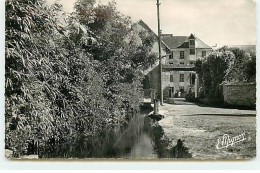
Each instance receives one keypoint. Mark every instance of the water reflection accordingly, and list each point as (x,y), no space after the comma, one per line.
(143,138)
(143,148)
(133,142)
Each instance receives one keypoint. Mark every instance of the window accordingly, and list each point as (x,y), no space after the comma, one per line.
(192,51)
(171,56)
(181,63)
(182,89)
(181,77)
(171,78)
(181,54)
(192,78)
(191,62)
(170,63)
(203,53)
(192,42)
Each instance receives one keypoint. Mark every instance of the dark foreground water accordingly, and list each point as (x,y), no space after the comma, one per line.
(142,139)
(143,147)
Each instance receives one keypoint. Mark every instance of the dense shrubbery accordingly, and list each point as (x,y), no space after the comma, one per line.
(211,74)
(225,66)
(190,97)
(242,66)
(72,81)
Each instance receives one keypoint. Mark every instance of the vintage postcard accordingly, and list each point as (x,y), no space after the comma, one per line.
(130,79)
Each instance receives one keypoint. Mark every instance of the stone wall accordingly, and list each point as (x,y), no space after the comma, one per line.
(240,94)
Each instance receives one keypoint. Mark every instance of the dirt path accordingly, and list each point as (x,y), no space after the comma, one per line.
(201,127)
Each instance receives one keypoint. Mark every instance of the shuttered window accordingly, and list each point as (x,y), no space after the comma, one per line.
(181,77)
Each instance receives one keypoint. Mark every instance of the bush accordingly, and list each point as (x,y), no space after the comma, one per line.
(212,101)
(190,97)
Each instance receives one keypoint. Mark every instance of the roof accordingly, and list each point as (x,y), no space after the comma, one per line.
(147,28)
(191,36)
(201,44)
(174,42)
(184,45)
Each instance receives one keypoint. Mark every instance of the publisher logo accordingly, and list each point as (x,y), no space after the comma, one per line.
(226,140)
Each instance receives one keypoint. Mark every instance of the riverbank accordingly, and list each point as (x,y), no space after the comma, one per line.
(201,127)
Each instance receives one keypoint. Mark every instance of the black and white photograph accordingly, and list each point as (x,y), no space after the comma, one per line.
(130,80)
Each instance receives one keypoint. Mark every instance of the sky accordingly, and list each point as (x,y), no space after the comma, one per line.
(221,22)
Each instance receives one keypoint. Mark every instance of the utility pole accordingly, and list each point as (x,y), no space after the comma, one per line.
(160,54)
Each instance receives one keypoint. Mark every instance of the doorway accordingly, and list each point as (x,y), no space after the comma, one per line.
(171,92)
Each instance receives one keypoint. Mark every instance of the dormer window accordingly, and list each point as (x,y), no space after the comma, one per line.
(192,42)
(171,56)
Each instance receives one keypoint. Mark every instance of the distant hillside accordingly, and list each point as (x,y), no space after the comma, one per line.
(246,48)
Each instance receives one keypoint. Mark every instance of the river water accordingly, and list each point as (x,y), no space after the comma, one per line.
(143,138)
(133,142)
(143,147)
